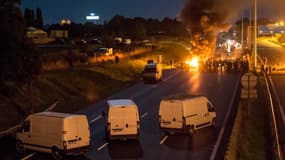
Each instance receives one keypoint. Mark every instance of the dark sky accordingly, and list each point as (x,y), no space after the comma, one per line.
(77,10)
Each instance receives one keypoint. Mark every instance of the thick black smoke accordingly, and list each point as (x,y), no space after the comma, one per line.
(210,16)
(207,17)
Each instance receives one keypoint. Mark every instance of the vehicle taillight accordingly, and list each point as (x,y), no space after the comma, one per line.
(64,145)
(138,124)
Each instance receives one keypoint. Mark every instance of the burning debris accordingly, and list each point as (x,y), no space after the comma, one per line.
(205,18)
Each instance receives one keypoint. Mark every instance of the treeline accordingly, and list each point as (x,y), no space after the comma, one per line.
(137,28)
(32,19)
(19,61)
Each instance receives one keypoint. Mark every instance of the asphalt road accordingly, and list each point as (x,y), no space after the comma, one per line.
(152,143)
(276,56)
(273,52)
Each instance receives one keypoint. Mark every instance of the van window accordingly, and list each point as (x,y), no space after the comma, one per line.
(26,126)
(210,107)
(147,69)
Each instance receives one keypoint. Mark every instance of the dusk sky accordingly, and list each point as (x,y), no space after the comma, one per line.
(77,10)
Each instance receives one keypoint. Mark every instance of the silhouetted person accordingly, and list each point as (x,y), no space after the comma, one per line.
(117,59)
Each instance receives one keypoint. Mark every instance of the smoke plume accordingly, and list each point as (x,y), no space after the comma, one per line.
(204,18)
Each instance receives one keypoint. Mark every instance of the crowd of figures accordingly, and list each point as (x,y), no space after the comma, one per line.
(214,65)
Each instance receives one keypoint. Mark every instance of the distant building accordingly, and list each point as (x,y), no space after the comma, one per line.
(65,22)
(270,29)
(38,36)
(59,34)
(35,33)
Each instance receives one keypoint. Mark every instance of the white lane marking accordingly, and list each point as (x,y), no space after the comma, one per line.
(171,76)
(221,133)
(96,119)
(163,139)
(101,147)
(278,100)
(28,156)
(144,115)
(154,86)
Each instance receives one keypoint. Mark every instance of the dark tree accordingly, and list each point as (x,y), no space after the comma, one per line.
(19,62)
(117,25)
(39,18)
(29,17)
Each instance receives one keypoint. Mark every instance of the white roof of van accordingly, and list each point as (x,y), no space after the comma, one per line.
(182,97)
(56,114)
(151,65)
(121,102)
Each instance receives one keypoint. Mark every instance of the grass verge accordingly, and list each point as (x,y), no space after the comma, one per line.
(80,86)
(249,137)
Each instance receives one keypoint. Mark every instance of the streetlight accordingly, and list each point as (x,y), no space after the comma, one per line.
(255,33)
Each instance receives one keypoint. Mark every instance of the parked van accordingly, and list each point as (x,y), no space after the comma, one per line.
(127,41)
(122,119)
(186,113)
(152,72)
(105,51)
(56,133)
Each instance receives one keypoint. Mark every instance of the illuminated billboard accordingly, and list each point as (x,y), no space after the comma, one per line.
(92,17)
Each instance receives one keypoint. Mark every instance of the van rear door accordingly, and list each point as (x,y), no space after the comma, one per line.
(171,114)
(70,133)
(177,116)
(130,120)
(83,131)
(116,120)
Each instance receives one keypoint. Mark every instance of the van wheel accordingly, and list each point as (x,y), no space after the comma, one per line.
(214,122)
(19,147)
(191,130)
(56,154)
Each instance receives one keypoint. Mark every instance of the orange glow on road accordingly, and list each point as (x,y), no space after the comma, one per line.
(195,82)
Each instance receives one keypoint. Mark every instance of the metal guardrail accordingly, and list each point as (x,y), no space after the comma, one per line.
(278,149)
(219,150)
(14,128)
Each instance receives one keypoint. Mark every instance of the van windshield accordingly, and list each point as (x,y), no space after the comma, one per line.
(210,107)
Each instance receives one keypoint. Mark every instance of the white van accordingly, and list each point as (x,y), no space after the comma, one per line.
(122,119)
(152,72)
(106,51)
(186,113)
(56,133)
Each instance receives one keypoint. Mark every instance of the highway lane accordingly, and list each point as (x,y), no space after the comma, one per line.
(276,56)
(153,144)
(273,52)
(278,85)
